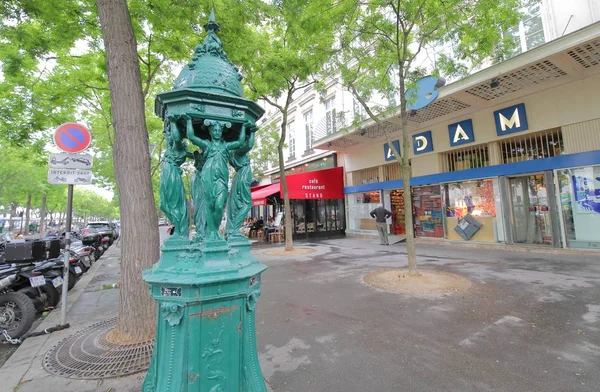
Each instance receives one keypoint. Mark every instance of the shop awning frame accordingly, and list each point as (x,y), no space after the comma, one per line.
(260,193)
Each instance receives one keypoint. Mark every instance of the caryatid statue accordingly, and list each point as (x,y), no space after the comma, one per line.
(197,193)
(215,173)
(240,199)
(172,192)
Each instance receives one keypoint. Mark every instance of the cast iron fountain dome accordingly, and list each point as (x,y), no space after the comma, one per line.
(209,85)
(210,70)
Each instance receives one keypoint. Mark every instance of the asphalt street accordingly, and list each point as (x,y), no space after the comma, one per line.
(530,322)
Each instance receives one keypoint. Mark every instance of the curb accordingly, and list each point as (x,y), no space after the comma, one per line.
(493,246)
(13,371)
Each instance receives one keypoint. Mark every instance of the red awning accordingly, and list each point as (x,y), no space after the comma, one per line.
(259,196)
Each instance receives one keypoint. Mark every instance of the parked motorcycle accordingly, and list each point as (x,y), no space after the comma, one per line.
(17,311)
(33,283)
(93,240)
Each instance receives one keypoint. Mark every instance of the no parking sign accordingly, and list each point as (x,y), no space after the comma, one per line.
(72,137)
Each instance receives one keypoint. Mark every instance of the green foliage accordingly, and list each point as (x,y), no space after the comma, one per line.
(264,154)
(381,44)
(20,175)
(54,66)
(292,46)
(89,205)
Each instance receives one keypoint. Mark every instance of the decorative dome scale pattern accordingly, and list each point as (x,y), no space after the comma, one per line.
(210,70)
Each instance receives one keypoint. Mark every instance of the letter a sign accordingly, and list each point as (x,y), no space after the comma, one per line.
(388,153)
(461,133)
(511,119)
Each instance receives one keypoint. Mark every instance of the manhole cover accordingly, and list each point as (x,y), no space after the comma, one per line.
(88,355)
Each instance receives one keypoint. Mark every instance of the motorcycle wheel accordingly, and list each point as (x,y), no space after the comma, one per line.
(97,254)
(46,297)
(17,314)
(72,280)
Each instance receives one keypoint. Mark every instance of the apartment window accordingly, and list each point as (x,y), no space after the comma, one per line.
(545,144)
(359,111)
(330,120)
(292,142)
(468,158)
(529,33)
(308,128)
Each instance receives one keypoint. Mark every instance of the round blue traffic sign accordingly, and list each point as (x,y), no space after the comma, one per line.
(72,137)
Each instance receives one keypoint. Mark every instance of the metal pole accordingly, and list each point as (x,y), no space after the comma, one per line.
(65,289)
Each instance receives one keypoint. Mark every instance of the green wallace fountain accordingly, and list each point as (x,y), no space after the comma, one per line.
(206,288)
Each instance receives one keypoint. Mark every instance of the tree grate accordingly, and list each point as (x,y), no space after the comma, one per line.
(88,355)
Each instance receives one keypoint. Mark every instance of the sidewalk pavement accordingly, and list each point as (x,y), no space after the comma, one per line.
(530,322)
(92,300)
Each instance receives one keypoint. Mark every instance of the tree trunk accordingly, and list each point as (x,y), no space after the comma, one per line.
(406,174)
(27,214)
(13,212)
(289,221)
(139,230)
(43,215)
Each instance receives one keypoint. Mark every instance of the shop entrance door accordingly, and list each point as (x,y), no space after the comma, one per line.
(531,209)
(397,210)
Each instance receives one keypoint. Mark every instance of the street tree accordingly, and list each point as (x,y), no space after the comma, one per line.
(140,244)
(291,47)
(380,51)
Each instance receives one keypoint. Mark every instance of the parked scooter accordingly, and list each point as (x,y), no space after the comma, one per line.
(94,240)
(17,310)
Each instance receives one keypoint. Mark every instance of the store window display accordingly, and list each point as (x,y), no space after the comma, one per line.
(580,205)
(427,207)
(359,206)
(475,198)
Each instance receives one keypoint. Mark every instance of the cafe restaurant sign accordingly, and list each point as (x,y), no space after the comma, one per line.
(321,184)
(317,164)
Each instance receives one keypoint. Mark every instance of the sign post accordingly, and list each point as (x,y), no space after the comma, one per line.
(73,139)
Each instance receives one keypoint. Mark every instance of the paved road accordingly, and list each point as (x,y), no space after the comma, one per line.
(530,323)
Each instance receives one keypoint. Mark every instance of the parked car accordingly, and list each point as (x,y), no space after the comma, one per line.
(163,222)
(106,229)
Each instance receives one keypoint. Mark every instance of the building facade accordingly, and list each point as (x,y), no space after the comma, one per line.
(498,157)
(510,154)
(314,177)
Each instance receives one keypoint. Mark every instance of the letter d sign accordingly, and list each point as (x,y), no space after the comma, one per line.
(422,143)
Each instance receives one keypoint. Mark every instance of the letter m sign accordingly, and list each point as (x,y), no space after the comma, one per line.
(511,119)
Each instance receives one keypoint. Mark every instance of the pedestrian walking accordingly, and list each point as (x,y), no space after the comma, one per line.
(381,214)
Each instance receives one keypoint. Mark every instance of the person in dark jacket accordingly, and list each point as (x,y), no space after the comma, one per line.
(381,214)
